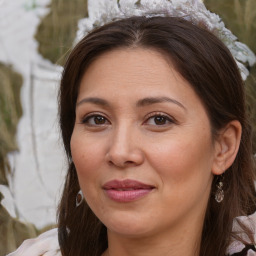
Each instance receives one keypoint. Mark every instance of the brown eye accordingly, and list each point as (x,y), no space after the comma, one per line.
(95,120)
(160,120)
(99,120)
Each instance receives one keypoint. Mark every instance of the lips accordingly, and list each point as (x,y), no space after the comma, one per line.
(126,190)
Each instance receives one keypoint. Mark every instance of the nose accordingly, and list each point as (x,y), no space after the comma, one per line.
(124,148)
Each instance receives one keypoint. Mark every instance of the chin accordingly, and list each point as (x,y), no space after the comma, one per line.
(130,231)
(129,226)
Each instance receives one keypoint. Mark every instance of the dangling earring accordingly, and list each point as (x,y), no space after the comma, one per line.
(79,198)
(219,195)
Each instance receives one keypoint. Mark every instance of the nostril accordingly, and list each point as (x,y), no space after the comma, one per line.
(110,162)
(121,164)
(129,162)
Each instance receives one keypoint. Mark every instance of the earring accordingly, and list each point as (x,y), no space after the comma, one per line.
(219,195)
(79,198)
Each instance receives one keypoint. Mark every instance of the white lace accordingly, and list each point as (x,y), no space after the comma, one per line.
(47,243)
(237,246)
(192,10)
(44,245)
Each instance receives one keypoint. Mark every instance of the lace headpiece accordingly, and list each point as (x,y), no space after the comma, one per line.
(191,10)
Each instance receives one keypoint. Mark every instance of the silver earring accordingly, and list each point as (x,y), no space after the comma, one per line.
(219,195)
(79,198)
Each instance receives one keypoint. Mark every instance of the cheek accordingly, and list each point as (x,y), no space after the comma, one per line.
(185,173)
(185,160)
(87,158)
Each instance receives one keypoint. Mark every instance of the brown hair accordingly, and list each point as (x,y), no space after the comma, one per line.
(205,62)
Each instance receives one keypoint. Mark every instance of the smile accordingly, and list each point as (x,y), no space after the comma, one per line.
(126,190)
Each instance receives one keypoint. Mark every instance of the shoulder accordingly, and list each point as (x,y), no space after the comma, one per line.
(44,245)
(246,248)
(47,243)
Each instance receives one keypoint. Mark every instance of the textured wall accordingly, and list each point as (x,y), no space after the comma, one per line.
(32,163)
(240,17)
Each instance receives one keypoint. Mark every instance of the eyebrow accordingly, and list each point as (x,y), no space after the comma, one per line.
(155,100)
(96,101)
(141,103)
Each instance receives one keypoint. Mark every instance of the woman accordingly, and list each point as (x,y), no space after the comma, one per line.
(153,120)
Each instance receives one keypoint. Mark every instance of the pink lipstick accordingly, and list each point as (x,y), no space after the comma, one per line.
(126,190)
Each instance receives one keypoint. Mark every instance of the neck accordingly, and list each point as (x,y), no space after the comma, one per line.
(176,243)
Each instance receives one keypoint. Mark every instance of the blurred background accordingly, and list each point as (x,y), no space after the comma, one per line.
(35,38)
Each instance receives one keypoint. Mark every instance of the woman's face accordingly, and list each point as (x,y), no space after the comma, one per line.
(142,145)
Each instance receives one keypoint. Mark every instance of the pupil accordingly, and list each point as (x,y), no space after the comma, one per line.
(99,120)
(160,120)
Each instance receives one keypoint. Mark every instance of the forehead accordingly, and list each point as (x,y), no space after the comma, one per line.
(134,73)
(123,67)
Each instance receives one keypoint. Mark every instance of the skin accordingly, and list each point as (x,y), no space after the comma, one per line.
(121,138)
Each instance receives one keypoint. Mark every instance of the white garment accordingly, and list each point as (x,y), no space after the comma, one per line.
(237,246)
(47,243)
(44,245)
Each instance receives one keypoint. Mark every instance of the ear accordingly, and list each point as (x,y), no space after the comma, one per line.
(226,147)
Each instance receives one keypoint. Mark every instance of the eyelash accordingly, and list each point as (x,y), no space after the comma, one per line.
(166,118)
(87,118)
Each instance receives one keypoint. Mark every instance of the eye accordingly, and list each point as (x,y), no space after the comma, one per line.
(159,120)
(95,120)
